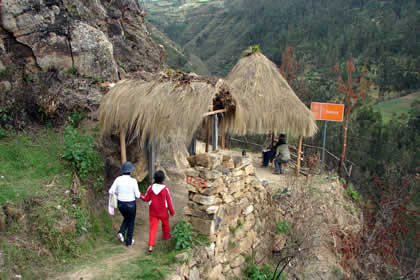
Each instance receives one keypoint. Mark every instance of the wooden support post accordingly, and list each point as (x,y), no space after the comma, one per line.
(298,155)
(229,141)
(151,156)
(122,146)
(192,149)
(208,133)
(214,135)
(223,136)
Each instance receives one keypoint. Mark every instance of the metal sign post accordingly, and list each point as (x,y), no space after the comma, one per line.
(327,112)
(323,142)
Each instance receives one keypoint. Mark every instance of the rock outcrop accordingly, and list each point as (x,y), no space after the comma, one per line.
(57,51)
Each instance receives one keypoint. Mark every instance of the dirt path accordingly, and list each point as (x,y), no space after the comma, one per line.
(179,195)
(141,236)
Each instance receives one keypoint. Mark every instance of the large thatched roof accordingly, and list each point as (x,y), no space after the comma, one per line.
(265,101)
(165,106)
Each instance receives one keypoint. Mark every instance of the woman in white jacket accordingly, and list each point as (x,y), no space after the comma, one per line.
(127,190)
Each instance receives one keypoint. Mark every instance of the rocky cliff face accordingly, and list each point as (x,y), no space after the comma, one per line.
(54,53)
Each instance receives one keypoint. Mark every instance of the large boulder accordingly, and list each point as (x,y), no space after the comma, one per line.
(92,52)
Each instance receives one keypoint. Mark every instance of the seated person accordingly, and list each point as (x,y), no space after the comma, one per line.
(268,154)
(282,154)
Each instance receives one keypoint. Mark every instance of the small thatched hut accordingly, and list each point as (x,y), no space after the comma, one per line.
(265,100)
(168,105)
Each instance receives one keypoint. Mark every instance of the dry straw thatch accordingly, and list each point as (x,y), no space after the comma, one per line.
(166,106)
(265,101)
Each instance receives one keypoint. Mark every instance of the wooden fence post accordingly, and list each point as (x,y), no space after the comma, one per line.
(298,155)
(223,134)
(208,133)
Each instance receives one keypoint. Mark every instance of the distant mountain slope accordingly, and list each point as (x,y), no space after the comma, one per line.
(379,32)
(175,57)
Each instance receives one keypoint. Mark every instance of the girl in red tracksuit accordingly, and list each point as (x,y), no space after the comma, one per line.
(159,204)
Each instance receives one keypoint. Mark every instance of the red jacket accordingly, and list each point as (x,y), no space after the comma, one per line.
(159,200)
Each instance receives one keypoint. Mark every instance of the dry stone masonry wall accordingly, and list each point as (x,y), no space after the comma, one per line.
(230,205)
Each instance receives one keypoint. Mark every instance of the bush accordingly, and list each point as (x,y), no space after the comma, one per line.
(352,193)
(75,118)
(6,119)
(183,235)
(80,151)
(283,227)
(264,273)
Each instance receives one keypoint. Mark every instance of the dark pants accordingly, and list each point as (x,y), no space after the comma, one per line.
(277,163)
(267,156)
(128,211)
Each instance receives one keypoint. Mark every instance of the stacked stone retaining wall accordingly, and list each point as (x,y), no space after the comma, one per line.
(230,205)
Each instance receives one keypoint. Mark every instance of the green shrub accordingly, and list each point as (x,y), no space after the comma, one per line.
(83,225)
(283,227)
(183,235)
(6,119)
(80,151)
(98,183)
(250,50)
(352,193)
(143,185)
(253,272)
(75,118)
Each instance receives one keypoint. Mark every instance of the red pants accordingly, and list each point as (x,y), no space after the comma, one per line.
(154,223)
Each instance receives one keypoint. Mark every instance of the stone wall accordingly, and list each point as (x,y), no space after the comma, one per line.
(230,205)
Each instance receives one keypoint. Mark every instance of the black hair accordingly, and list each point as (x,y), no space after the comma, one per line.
(159,177)
(282,139)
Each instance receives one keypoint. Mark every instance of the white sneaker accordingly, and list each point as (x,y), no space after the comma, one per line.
(120,237)
(132,243)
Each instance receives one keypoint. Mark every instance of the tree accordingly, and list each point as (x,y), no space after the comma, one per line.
(291,71)
(355,92)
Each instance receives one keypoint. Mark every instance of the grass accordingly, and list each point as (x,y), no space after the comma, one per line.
(29,163)
(390,109)
(36,180)
(151,267)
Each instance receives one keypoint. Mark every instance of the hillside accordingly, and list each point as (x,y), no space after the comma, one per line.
(379,33)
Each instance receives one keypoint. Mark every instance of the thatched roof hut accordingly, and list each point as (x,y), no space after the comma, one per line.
(265,100)
(168,105)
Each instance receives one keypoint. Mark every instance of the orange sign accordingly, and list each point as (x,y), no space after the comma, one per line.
(328,111)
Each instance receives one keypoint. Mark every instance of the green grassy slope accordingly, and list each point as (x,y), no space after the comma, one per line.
(395,107)
(29,163)
(47,219)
